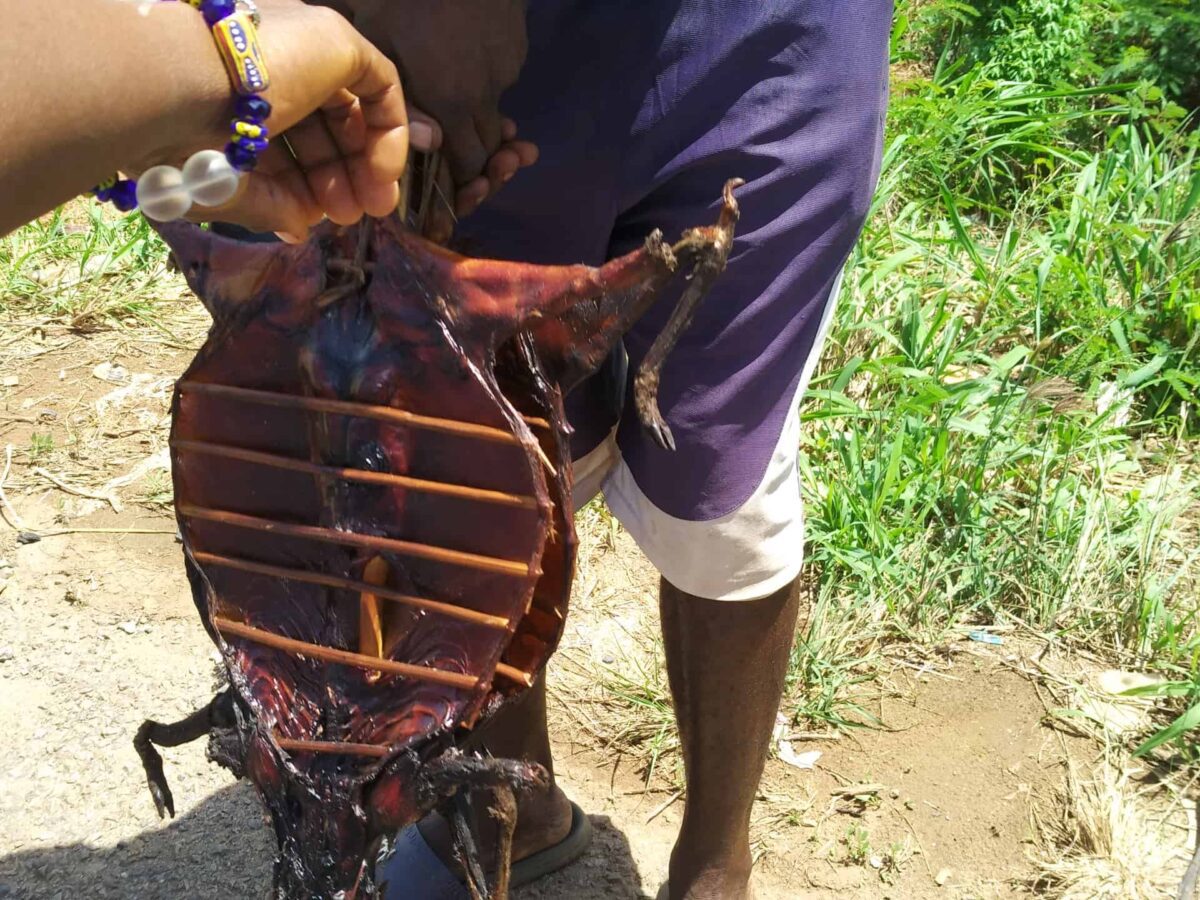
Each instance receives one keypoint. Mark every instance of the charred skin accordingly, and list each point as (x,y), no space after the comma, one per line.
(284,534)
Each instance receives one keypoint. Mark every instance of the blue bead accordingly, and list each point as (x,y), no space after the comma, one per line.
(253,108)
(241,158)
(124,195)
(216,10)
(254,145)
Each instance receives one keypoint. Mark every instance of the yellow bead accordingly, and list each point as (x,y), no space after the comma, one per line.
(247,129)
(237,39)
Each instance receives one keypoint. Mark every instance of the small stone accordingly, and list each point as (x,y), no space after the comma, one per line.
(876,862)
(128,627)
(6,654)
(942,877)
(10,381)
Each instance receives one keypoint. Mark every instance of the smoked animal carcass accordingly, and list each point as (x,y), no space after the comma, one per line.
(373,485)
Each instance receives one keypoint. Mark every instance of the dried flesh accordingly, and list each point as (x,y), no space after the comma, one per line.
(373,483)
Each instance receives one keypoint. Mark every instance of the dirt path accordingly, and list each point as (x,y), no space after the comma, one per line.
(98,631)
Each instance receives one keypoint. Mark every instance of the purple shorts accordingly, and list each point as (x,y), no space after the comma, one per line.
(642,110)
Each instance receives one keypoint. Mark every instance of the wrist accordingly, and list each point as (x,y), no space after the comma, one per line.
(203,120)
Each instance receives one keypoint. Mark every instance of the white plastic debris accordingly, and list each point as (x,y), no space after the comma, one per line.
(787,753)
(111,372)
(806,760)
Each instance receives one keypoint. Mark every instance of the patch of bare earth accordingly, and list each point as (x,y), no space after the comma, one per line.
(98,632)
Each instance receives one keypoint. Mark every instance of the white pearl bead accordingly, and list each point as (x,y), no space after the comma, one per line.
(161,194)
(210,178)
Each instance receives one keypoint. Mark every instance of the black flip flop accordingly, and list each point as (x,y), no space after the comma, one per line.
(558,856)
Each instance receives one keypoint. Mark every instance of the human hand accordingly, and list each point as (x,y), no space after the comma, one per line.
(457,59)
(446,205)
(339,126)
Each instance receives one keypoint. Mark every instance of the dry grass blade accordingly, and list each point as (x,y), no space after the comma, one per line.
(1104,840)
(627,707)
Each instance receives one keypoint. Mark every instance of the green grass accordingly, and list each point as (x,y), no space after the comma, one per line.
(40,446)
(1002,431)
(84,267)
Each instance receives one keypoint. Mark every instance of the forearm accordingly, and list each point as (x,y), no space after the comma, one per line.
(89,87)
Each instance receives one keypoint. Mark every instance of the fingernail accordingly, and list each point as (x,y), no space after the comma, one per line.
(507,177)
(420,136)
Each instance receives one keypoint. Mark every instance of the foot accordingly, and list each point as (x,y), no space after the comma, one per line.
(543,820)
(664,893)
(697,875)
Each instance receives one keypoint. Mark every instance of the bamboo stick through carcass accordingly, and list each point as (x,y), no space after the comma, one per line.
(228,627)
(383,479)
(353,539)
(348,748)
(370,621)
(350,584)
(361,410)
(512,673)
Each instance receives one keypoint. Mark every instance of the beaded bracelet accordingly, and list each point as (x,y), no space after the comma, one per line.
(209,177)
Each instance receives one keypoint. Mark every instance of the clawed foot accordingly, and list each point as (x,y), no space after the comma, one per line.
(194,727)
(708,251)
(156,779)
(517,814)
(452,772)
(654,423)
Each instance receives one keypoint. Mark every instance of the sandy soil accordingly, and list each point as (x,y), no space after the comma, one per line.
(97,632)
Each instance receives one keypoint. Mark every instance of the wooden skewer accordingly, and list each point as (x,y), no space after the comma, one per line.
(362,410)
(370,621)
(545,460)
(350,749)
(350,538)
(512,673)
(342,657)
(337,581)
(384,479)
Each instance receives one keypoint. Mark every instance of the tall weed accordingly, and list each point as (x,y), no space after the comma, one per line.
(1001,429)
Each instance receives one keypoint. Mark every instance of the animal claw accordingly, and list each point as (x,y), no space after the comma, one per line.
(193,727)
(163,801)
(156,779)
(661,432)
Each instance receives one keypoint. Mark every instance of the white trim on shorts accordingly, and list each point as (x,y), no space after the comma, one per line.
(747,554)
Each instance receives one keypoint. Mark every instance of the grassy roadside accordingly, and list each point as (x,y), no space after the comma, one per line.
(84,267)
(1002,430)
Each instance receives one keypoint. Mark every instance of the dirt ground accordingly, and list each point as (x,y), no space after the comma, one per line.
(98,631)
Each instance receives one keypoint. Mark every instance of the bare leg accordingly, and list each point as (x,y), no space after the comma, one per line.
(726,662)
